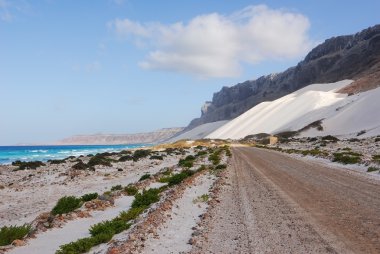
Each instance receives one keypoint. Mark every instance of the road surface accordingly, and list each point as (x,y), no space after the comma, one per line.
(273,203)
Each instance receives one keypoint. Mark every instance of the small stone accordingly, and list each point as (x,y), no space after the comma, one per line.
(18,242)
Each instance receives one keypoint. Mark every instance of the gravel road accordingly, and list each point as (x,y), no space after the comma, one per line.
(272,203)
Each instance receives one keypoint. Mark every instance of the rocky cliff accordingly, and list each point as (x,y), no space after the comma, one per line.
(344,57)
(113,139)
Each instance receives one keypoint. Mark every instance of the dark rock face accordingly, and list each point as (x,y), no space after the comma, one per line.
(338,58)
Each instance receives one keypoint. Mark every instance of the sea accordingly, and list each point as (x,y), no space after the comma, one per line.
(9,154)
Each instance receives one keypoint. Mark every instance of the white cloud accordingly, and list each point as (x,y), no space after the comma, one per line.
(215,45)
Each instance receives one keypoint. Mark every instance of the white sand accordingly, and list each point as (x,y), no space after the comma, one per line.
(49,241)
(175,233)
(291,112)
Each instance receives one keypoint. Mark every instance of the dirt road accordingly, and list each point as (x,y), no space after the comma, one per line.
(272,203)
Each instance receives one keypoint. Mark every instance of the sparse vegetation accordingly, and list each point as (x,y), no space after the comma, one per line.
(156,157)
(347,157)
(144,177)
(376,158)
(330,138)
(11,233)
(116,187)
(89,196)
(372,169)
(22,165)
(146,198)
(131,190)
(66,204)
(132,213)
(80,166)
(203,198)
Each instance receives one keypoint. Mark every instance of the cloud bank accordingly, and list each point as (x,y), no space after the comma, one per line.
(215,45)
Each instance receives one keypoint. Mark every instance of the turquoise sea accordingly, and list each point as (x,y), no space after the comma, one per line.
(8,154)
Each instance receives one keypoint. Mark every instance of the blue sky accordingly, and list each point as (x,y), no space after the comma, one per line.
(114,66)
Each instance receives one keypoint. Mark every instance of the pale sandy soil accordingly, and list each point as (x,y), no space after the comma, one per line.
(28,193)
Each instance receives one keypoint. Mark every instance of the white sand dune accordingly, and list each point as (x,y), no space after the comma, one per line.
(342,114)
(200,131)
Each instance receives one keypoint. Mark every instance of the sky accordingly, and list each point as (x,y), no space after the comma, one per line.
(71,67)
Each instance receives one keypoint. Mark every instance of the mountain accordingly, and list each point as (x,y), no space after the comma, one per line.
(355,57)
(113,139)
(316,110)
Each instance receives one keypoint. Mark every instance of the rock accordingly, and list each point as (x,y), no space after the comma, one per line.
(18,242)
(46,224)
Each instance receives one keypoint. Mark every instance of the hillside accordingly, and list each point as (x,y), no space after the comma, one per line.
(113,139)
(355,57)
(338,114)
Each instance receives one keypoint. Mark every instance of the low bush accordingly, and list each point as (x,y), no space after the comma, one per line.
(376,158)
(85,244)
(201,153)
(131,190)
(56,161)
(126,158)
(132,213)
(372,169)
(116,187)
(178,178)
(330,138)
(203,198)
(156,157)
(141,153)
(89,196)
(11,233)
(214,158)
(144,177)
(146,198)
(66,204)
(22,165)
(113,226)
(99,160)
(80,166)
(347,158)
(221,166)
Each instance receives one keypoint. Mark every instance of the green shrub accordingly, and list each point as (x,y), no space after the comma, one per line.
(185,163)
(201,153)
(132,213)
(131,190)
(347,158)
(80,166)
(11,233)
(221,166)
(89,196)
(56,161)
(203,198)
(99,160)
(156,157)
(116,187)
(372,169)
(330,138)
(214,158)
(126,158)
(139,154)
(178,178)
(85,244)
(146,198)
(144,177)
(112,227)
(66,204)
(376,158)
(22,165)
